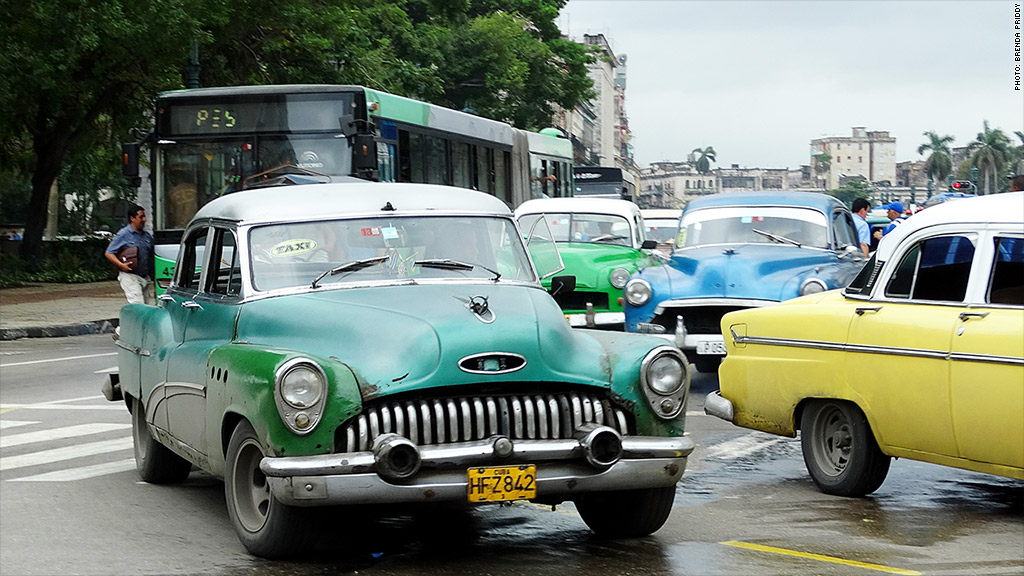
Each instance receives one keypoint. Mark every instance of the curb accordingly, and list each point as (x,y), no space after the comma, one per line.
(95,327)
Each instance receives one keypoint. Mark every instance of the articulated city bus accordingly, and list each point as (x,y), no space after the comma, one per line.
(211,141)
(604,182)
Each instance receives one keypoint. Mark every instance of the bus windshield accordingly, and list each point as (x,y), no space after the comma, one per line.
(195,172)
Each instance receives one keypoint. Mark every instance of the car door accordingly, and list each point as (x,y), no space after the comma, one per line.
(987,360)
(899,343)
(185,390)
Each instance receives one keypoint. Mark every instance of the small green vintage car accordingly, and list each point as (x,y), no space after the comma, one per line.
(358,343)
(602,242)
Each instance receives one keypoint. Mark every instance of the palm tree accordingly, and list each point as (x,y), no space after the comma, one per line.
(822,164)
(707,156)
(991,151)
(939,164)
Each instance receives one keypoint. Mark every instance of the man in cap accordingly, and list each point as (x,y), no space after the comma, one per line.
(894,210)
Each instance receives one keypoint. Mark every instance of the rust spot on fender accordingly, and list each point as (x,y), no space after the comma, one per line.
(429,494)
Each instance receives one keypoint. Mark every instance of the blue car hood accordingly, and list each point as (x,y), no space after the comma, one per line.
(401,338)
(747,271)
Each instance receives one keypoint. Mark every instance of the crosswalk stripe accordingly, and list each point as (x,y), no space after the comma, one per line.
(112,406)
(4,424)
(81,473)
(59,433)
(66,453)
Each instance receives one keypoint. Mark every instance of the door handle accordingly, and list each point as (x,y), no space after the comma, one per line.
(165,298)
(863,310)
(191,304)
(968,315)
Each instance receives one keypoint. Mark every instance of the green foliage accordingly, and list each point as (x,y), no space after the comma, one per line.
(852,189)
(991,153)
(939,164)
(704,158)
(63,261)
(77,78)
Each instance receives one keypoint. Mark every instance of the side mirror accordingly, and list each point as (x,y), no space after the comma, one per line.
(562,284)
(649,245)
(364,155)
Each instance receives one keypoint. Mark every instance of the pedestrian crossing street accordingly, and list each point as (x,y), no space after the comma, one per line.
(50,449)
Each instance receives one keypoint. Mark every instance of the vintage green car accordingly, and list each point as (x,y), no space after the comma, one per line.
(602,242)
(357,343)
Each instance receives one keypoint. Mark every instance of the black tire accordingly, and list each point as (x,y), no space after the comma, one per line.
(839,449)
(154,461)
(626,513)
(266,527)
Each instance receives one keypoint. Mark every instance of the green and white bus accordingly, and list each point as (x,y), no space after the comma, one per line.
(212,141)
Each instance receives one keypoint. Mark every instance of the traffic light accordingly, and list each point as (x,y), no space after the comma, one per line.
(963,186)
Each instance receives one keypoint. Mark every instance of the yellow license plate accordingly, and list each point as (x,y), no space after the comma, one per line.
(502,483)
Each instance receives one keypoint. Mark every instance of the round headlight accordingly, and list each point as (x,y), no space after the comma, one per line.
(812,286)
(302,387)
(665,375)
(619,277)
(637,292)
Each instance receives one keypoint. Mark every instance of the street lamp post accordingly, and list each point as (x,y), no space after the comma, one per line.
(974,178)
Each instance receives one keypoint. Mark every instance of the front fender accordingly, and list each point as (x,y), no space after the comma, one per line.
(247,391)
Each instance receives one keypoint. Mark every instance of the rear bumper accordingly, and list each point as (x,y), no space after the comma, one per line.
(716,405)
(562,471)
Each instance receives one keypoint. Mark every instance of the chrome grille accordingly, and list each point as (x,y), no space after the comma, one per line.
(447,420)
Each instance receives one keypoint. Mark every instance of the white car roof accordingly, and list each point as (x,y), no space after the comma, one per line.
(623,208)
(1005,209)
(320,201)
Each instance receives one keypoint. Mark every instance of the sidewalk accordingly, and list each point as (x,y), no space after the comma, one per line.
(48,310)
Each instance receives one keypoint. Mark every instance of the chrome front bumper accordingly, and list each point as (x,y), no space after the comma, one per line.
(563,469)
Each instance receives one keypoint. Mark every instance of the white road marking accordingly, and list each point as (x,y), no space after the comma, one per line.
(14,423)
(81,473)
(110,370)
(58,359)
(66,453)
(743,446)
(59,433)
(63,407)
(695,413)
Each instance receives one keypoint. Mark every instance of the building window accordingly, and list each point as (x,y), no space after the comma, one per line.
(860,159)
(839,159)
(687,184)
(838,145)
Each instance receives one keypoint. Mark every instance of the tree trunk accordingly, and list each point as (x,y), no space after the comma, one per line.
(50,150)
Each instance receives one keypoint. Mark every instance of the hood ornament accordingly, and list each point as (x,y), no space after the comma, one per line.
(479,307)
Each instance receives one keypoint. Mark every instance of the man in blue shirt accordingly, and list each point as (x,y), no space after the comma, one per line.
(895,213)
(134,281)
(860,214)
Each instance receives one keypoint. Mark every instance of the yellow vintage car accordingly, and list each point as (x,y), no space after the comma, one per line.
(920,357)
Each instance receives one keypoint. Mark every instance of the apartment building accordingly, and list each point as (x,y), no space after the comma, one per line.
(870,154)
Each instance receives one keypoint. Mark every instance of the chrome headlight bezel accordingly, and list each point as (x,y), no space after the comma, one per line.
(637,292)
(618,278)
(300,419)
(812,286)
(668,402)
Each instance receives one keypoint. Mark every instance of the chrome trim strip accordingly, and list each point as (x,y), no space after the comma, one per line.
(137,351)
(175,388)
(489,354)
(600,319)
(869,349)
(694,302)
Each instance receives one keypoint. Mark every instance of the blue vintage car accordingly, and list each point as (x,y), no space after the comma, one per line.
(373,343)
(741,250)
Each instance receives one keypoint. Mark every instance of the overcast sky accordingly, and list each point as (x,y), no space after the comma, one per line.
(759,80)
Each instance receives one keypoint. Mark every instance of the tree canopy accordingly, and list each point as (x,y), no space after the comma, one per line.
(76,76)
(939,163)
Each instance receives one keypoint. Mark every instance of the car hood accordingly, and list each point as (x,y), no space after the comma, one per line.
(745,271)
(591,264)
(400,338)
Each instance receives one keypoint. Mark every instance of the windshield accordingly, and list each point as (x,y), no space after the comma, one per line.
(740,224)
(661,231)
(387,249)
(591,228)
(193,172)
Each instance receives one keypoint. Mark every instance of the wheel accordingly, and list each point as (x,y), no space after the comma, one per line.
(626,513)
(839,449)
(266,527)
(154,461)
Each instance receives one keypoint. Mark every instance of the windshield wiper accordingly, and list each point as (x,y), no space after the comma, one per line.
(351,267)
(449,264)
(607,238)
(776,237)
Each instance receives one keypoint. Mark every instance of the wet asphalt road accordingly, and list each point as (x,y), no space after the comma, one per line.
(745,506)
